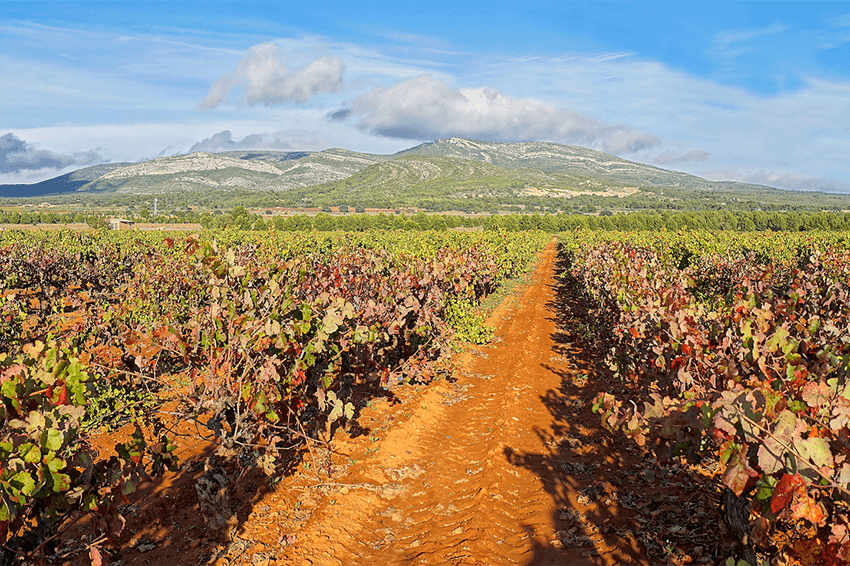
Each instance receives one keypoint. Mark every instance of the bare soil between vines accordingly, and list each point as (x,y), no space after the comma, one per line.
(502,463)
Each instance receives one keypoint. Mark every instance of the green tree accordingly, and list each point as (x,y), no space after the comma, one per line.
(439,223)
(421,220)
(324,222)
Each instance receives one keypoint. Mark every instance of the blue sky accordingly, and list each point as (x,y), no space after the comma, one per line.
(756,91)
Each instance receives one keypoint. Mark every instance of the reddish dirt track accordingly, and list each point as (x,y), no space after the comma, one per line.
(472,477)
(504,463)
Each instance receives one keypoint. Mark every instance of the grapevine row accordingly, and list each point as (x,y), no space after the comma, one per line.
(744,351)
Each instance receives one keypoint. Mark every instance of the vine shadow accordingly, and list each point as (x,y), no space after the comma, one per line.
(613,502)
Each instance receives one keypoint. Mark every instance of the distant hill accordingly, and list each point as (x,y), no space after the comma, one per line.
(451,172)
(249,170)
(66,183)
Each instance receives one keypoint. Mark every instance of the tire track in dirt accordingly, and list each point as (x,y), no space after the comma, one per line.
(506,465)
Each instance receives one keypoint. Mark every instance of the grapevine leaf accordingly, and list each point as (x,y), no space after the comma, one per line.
(778,340)
(53,439)
(35,422)
(738,474)
(816,394)
(336,412)
(23,482)
(770,454)
(816,450)
(29,452)
(784,492)
(805,507)
(61,482)
(843,477)
(765,488)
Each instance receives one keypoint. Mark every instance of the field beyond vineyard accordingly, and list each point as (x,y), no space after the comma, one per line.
(338,398)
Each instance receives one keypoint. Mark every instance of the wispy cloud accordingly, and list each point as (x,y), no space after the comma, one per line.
(781,180)
(670,157)
(425,109)
(21,159)
(266,80)
(733,42)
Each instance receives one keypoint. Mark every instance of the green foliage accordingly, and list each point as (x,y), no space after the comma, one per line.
(112,404)
(48,468)
(469,324)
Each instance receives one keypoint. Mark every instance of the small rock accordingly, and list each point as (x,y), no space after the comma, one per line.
(457,531)
(145,546)
(414,544)
(344,491)
(194,543)
(556,543)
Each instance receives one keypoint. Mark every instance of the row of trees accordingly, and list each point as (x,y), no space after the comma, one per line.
(606,220)
(240,218)
(38,217)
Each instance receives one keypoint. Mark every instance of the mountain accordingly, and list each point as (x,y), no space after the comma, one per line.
(247,170)
(446,173)
(411,180)
(570,159)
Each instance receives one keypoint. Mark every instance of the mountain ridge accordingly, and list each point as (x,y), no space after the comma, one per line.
(432,175)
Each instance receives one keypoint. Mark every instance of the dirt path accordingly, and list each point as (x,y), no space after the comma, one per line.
(503,466)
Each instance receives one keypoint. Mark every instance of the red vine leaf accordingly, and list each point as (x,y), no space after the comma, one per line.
(784,492)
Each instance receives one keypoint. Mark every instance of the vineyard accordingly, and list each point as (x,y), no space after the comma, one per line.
(734,348)
(266,341)
(719,356)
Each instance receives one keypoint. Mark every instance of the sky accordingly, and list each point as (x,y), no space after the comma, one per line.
(746,91)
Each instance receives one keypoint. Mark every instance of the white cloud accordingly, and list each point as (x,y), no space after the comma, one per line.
(425,108)
(804,131)
(281,140)
(266,79)
(19,159)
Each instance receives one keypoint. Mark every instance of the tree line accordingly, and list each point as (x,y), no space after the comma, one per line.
(241,218)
